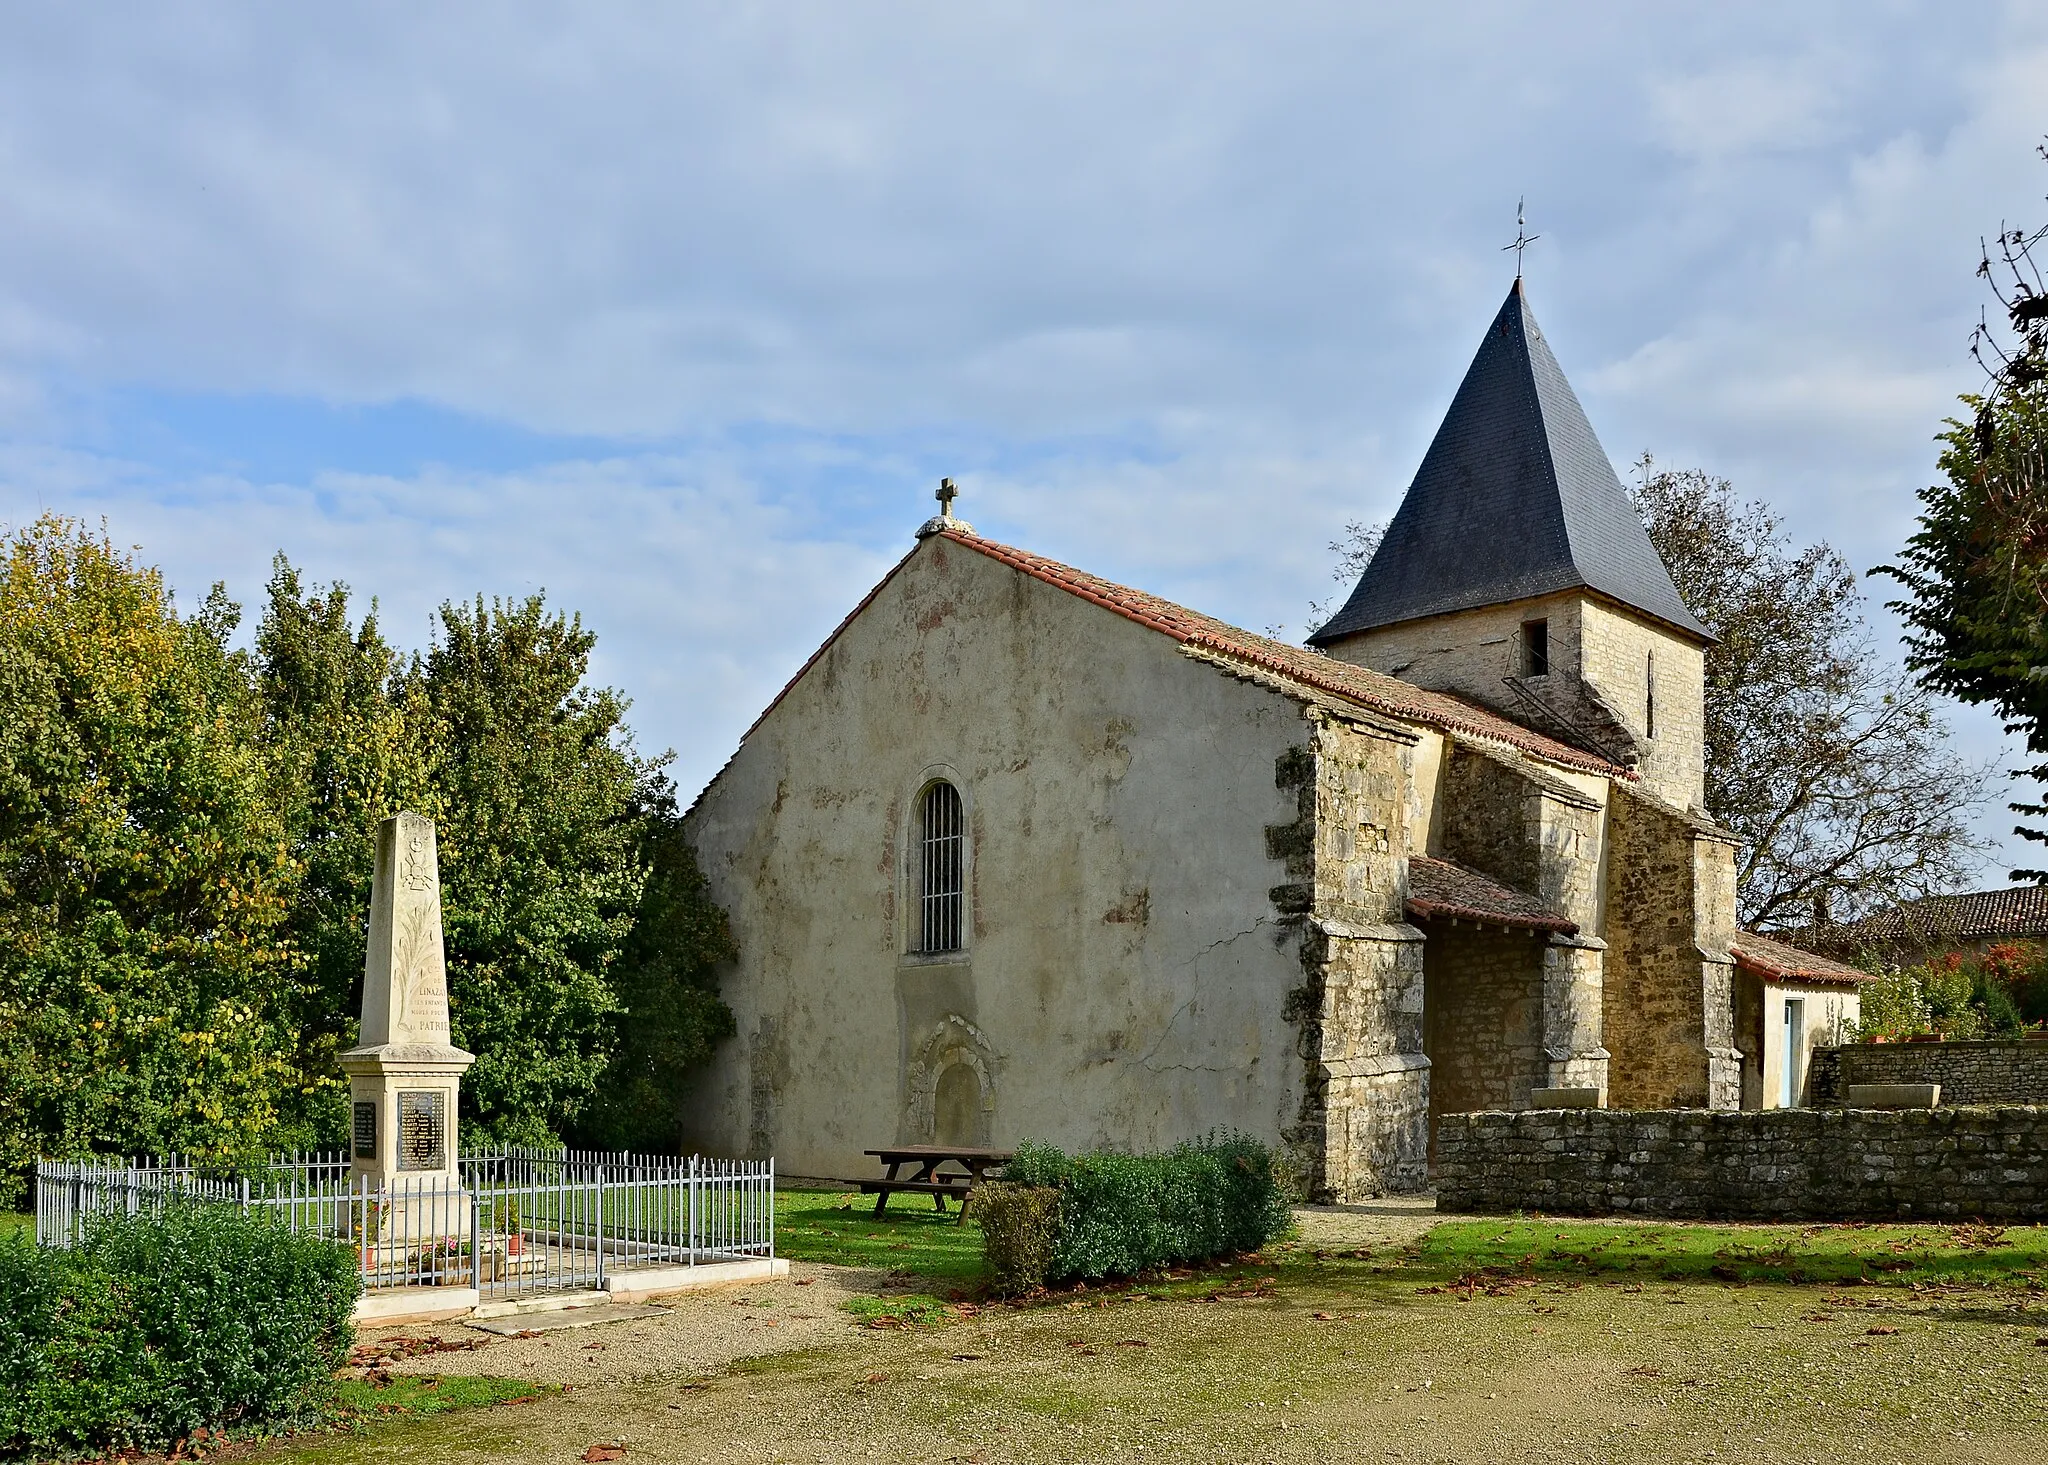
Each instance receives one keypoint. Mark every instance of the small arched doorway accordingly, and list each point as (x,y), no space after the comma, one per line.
(956,1106)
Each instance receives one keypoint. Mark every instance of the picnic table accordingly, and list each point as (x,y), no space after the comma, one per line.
(925,1179)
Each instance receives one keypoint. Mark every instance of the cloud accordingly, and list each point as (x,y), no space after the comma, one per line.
(679,309)
(1775,104)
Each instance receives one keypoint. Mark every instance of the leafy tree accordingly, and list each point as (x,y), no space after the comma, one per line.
(144,872)
(666,979)
(349,751)
(186,841)
(1829,764)
(1976,571)
(540,789)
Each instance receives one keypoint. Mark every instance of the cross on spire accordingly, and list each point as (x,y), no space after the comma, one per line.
(946,494)
(1523,238)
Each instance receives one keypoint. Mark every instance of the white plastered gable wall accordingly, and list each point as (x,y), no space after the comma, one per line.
(1119,916)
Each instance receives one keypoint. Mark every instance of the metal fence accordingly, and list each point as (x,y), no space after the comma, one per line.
(517,1221)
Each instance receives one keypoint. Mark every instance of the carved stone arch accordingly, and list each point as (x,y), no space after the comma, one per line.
(940,1062)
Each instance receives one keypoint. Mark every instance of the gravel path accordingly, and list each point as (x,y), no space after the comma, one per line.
(703,1332)
(1394,1220)
(699,1333)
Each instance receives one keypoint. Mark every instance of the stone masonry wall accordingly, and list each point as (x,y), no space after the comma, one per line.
(1668,999)
(1468,652)
(1482,1017)
(2009,1071)
(1619,653)
(1773,1164)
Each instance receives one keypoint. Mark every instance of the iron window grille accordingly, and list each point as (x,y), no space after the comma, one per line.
(942,851)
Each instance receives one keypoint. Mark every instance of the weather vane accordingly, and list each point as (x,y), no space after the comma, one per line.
(1523,238)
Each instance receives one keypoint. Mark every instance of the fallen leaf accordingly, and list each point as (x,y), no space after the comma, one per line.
(805,1281)
(589,1346)
(966,1357)
(1325,1317)
(605,1452)
(1880,1332)
(876,1378)
(527,1333)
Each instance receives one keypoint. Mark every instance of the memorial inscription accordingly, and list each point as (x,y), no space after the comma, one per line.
(422,1129)
(365,1130)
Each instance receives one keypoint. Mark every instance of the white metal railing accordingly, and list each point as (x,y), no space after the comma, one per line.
(517,1221)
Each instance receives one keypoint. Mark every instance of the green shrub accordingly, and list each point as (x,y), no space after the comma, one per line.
(1125,1214)
(1020,1227)
(156,1325)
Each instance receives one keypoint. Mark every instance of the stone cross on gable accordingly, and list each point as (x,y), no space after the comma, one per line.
(945,523)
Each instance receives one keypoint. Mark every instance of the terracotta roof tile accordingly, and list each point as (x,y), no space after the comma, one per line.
(1776,961)
(1372,690)
(1443,889)
(2019,910)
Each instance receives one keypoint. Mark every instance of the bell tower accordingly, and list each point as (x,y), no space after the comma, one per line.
(1516,574)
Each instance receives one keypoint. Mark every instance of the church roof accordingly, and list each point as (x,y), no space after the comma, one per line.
(1371,690)
(1515,498)
(1443,889)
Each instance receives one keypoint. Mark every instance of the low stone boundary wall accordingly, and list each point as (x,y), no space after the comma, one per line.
(1760,1164)
(1989,1071)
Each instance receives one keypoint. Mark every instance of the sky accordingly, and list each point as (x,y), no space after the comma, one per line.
(679,311)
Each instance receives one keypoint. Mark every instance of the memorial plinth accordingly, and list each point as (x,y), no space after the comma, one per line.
(404,1075)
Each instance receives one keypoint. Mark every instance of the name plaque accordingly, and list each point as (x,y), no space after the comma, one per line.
(422,1129)
(365,1131)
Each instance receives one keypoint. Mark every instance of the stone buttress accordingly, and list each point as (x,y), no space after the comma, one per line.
(1363,1124)
(1670,993)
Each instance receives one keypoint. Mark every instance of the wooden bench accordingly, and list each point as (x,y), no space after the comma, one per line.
(925,1177)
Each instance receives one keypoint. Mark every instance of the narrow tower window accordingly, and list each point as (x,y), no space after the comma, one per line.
(942,849)
(1649,694)
(1535,648)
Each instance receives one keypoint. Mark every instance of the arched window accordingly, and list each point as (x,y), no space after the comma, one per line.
(941,869)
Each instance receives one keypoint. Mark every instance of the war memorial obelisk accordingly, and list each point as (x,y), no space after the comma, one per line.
(404,1075)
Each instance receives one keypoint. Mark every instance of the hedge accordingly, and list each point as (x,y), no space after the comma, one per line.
(1119,1215)
(156,1325)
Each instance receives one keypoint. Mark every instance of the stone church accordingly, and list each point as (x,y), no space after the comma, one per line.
(1021,853)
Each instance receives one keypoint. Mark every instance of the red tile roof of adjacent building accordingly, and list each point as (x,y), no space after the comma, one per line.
(1445,890)
(1372,690)
(2019,910)
(1775,961)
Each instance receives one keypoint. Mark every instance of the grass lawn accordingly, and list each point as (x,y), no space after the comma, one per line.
(360,1401)
(1612,1342)
(1852,1254)
(13,1221)
(911,1238)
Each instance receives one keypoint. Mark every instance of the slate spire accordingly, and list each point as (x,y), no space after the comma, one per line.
(1514,498)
